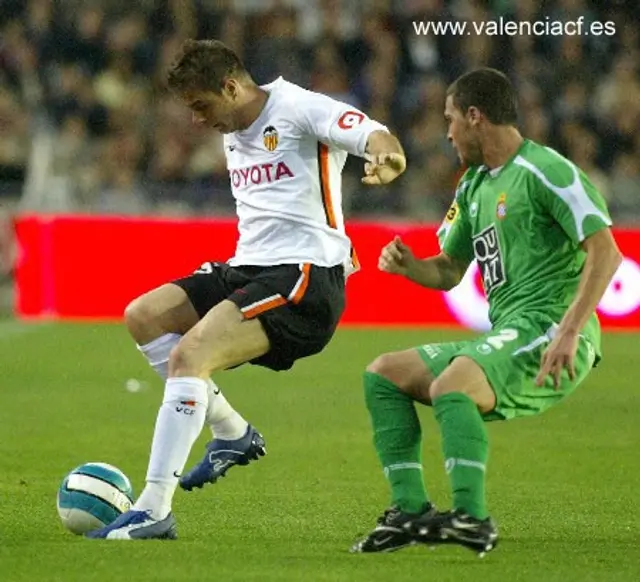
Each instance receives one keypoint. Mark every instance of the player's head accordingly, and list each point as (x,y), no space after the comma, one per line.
(211,79)
(476,100)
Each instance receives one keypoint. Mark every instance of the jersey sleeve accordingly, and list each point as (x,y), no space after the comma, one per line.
(573,201)
(454,233)
(335,123)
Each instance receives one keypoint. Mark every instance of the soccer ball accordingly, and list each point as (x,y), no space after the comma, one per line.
(93,495)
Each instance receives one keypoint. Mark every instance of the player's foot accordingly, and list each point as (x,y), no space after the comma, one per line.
(456,527)
(137,525)
(391,533)
(222,455)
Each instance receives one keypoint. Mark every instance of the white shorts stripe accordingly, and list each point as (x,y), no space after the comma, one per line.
(261,302)
(298,282)
(536,343)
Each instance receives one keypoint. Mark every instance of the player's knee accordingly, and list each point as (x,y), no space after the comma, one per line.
(195,356)
(183,360)
(387,366)
(138,317)
(481,395)
(440,387)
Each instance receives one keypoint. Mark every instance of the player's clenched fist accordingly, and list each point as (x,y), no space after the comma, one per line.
(396,258)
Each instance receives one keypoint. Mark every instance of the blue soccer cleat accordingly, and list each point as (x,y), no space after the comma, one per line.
(137,525)
(222,455)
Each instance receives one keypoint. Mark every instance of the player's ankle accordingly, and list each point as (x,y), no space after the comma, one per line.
(156,499)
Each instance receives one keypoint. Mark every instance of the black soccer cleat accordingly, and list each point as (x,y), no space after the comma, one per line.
(455,527)
(391,532)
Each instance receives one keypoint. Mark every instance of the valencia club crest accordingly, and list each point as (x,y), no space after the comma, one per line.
(270,137)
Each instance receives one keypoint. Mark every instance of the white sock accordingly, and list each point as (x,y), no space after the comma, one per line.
(157,352)
(180,420)
(225,423)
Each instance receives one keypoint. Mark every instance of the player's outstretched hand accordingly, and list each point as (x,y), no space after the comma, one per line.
(559,355)
(383,168)
(396,258)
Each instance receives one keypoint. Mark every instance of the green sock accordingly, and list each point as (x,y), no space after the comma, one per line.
(397,437)
(466,448)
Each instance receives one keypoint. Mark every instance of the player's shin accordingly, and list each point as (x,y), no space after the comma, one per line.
(465,447)
(397,436)
(179,422)
(224,422)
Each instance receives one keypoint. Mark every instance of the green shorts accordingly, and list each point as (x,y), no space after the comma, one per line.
(510,356)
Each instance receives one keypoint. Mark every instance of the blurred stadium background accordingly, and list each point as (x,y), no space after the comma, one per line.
(86,127)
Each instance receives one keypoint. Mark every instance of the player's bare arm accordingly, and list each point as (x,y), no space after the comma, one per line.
(603,259)
(385,158)
(442,271)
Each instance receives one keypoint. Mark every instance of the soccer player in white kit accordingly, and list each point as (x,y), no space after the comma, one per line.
(280,297)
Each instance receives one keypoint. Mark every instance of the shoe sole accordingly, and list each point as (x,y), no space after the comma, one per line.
(482,549)
(358,550)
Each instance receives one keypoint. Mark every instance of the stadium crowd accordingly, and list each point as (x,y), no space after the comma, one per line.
(87,124)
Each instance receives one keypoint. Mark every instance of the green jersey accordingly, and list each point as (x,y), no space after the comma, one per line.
(523,223)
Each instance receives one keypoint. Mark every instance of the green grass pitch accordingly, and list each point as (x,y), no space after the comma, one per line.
(563,486)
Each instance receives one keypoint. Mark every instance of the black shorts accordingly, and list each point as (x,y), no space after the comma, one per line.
(298,305)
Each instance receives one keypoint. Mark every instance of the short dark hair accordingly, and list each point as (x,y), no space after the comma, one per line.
(203,66)
(490,91)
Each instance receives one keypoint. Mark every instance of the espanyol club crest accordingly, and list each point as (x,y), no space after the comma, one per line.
(270,137)
(452,212)
(501,208)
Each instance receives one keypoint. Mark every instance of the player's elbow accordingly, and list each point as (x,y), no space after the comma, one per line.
(451,273)
(451,280)
(616,260)
(602,249)
(616,256)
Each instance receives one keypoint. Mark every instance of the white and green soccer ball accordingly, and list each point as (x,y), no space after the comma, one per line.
(93,495)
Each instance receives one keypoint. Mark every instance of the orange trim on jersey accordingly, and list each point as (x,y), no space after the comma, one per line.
(304,283)
(266,306)
(325,185)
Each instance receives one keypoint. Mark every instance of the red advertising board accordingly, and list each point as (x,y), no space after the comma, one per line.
(91,267)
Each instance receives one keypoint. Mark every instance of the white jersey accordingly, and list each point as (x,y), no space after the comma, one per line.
(285,172)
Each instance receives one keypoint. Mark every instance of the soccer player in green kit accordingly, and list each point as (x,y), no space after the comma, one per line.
(539,231)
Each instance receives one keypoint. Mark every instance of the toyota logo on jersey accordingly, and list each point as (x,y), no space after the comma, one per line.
(350,119)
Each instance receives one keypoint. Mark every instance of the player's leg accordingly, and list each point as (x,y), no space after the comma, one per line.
(221,339)
(179,422)
(264,327)
(392,382)
(162,311)
(157,320)
(492,379)
(460,396)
